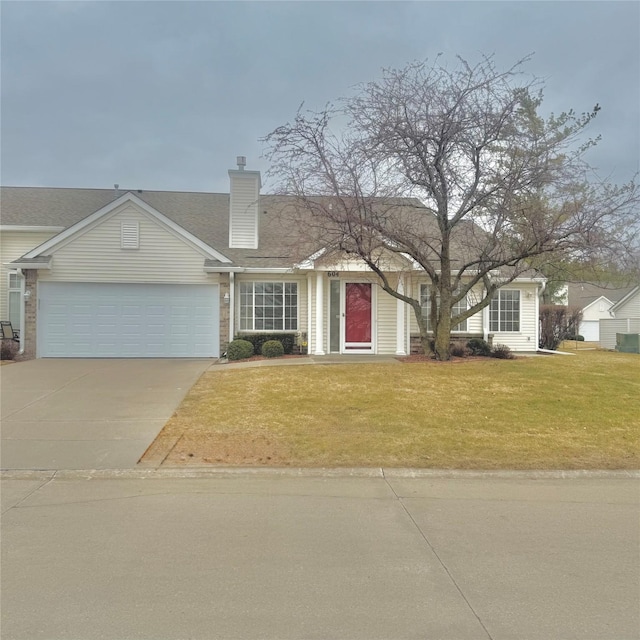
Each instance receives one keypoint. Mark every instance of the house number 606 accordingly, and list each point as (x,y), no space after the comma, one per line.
(333,274)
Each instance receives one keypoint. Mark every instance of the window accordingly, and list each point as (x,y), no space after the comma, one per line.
(268,306)
(14,300)
(458,307)
(504,311)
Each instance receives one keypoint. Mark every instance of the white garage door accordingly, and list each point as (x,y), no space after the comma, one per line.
(91,320)
(590,330)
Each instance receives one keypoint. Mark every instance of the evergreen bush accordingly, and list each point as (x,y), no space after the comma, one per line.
(239,350)
(258,339)
(272,349)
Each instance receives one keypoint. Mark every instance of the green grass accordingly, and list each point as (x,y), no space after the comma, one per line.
(555,412)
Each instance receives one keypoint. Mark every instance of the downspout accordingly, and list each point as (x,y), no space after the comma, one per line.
(232,304)
(309,316)
(485,317)
(543,286)
(22,310)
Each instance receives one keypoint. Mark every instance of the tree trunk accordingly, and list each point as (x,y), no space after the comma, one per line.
(442,326)
(442,336)
(425,338)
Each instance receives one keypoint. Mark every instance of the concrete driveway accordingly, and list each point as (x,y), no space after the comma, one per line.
(88,414)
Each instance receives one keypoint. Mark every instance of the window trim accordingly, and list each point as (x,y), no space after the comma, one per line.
(497,299)
(455,329)
(242,320)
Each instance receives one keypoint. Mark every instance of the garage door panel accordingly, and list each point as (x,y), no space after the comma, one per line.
(590,330)
(127,320)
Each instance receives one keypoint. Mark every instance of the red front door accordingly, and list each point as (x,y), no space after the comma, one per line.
(357,323)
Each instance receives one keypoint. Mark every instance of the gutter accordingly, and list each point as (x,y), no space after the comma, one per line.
(543,286)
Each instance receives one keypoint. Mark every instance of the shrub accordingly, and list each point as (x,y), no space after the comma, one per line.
(239,350)
(258,339)
(479,347)
(8,350)
(558,323)
(502,351)
(458,350)
(272,349)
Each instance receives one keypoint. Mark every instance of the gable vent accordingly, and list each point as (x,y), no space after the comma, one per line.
(130,235)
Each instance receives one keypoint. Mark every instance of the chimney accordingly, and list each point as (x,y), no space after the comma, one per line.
(243,206)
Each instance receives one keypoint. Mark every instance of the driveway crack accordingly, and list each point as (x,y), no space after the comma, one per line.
(435,553)
(40,486)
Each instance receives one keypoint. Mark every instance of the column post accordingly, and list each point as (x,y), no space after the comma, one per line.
(319,350)
(400,320)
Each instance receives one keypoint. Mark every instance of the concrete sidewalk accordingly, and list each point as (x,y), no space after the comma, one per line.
(88,413)
(302,554)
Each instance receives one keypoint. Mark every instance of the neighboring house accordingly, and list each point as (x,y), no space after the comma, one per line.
(624,317)
(596,302)
(109,273)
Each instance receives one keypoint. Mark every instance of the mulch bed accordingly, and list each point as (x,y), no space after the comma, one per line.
(414,358)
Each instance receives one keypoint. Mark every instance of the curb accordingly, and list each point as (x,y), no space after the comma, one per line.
(375,472)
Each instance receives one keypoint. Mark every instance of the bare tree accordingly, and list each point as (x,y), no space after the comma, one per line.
(497,188)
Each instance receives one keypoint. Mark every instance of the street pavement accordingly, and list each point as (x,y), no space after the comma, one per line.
(297,554)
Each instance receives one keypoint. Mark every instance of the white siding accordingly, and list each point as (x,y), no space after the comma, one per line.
(243,209)
(609,328)
(387,314)
(95,255)
(598,309)
(525,339)
(13,245)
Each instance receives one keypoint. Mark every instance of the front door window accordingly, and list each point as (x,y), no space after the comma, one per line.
(357,320)
(334,316)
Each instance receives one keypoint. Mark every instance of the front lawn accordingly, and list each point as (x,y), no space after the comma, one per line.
(550,412)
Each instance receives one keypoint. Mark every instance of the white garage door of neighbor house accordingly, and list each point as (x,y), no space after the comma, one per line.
(92,320)
(590,330)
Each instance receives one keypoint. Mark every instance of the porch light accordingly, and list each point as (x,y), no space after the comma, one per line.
(226,298)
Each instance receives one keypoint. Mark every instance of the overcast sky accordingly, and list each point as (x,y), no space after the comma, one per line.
(165,95)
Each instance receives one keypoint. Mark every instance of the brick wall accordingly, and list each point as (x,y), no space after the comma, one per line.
(456,338)
(224,312)
(29,340)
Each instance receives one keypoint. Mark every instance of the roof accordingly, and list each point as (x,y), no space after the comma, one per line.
(287,233)
(582,294)
(633,291)
(204,215)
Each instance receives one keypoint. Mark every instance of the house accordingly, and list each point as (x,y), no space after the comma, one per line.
(115,273)
(624,317)
(595,301)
